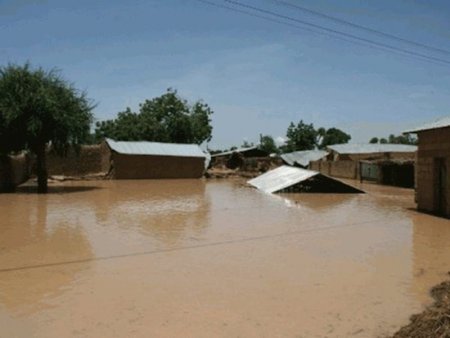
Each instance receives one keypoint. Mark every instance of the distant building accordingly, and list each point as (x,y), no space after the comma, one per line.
(370,151)
(238,158)
(433,164)
(302,158)
(391,164)
(246,152)
(151,160)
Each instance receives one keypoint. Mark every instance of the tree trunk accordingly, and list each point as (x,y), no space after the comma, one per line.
(41,169)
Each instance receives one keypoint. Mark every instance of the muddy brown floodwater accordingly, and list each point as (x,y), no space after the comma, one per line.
(202,259)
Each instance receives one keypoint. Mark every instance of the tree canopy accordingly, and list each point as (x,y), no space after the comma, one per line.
(267,143)
(38,107)
(305,137)
(400,139)
(167,118)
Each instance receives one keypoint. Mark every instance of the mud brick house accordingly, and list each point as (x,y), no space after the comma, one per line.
(152,160)
(433,164)
(380,163)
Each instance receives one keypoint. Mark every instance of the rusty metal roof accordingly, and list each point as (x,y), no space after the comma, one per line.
(370,148)
(156,148)
(440,123)
(281,178)
(303,158)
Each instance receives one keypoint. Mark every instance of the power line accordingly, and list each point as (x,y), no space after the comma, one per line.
(324,31)
(330,30)
(354,25)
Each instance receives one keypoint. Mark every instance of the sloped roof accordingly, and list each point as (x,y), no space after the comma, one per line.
(156,148)
(280,178)
(303,157)
(370,148)
(237,150)
(440,123)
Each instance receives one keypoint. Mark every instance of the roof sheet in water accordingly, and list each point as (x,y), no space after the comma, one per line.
(156,148)
(370,148)
(303,157)
(440,123)
(280,178)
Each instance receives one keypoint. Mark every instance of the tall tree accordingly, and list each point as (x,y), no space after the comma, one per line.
(333,136)
(267,143)
(374,140)
(167,118)
(300,137)
(39,107)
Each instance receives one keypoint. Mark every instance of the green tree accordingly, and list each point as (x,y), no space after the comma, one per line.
(167,118)
(37,108)
(383,140)
(332,136)
(247,144)
(374,140)
(267,143)
(300,137)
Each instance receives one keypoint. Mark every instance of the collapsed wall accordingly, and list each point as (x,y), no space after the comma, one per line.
(14,170)
(90,159)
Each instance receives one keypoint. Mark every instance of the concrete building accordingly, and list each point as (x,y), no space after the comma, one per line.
(433,164)
(151,160)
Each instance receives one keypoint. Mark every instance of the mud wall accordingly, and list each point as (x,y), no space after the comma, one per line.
(14,170)
(154,167)
(433,145)
(342,169)
(91,159)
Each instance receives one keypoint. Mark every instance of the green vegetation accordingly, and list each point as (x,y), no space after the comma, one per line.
(267,143)
(37,108)
(305,137)
(400,139)
(167,118)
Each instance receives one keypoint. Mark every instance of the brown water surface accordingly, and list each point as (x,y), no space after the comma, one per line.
(192,258)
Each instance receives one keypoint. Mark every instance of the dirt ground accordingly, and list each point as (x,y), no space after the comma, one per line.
(434,322)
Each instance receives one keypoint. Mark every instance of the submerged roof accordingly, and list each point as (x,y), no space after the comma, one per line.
(303,157)
(281,178)
(156,148)
(369,148)
(237,150)
(440,123)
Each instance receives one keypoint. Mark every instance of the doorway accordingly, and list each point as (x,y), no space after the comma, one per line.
(440,186)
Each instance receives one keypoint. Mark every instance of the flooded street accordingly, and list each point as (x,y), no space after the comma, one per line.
(192,258)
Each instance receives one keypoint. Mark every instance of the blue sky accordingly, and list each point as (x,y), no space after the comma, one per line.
(257,75)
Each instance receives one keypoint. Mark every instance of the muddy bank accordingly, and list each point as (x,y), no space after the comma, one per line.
(434,321)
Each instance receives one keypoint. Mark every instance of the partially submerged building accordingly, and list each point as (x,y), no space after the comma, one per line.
(303,158)
(391,164)
(152,160)
(238,158)
(293,179)
(433,164)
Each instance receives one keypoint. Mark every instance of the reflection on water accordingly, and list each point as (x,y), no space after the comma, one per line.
(170,257)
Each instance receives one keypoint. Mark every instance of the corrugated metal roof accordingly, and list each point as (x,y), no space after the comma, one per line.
(440,123)
(280,178)
(238,150)
(369,148)
(303,157)
(156,148)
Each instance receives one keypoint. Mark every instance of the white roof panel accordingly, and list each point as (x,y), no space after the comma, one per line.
(440,123)
(156,148)
(280,178)
(369,148)
(303,157)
